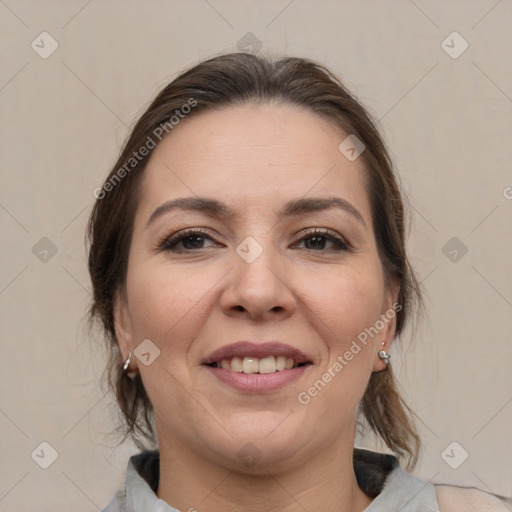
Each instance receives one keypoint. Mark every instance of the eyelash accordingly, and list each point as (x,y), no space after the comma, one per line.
(169,243)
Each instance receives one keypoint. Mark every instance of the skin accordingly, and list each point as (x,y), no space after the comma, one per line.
(254,158)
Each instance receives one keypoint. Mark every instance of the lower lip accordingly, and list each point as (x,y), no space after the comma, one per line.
(258,382)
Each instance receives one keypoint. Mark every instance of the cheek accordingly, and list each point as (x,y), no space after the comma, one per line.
(166,305)
(349,302)
(169,308)
(345,301)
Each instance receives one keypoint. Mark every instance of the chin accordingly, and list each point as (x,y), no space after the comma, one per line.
(263,442)
(261,457)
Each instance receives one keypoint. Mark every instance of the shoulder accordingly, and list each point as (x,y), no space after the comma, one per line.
(462,499)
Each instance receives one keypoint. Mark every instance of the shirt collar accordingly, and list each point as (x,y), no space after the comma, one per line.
(379,476)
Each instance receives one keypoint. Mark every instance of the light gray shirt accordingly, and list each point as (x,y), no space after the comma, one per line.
(400,491)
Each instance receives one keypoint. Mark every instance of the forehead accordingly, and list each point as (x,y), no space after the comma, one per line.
(261,154)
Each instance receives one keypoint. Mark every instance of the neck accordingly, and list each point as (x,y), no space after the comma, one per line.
(325,482)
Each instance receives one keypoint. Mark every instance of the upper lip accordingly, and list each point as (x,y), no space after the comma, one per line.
(259,350)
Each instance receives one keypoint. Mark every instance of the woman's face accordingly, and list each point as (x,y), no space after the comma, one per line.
(284,267)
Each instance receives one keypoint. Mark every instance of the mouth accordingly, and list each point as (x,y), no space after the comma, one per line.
(255,367)
(250,364)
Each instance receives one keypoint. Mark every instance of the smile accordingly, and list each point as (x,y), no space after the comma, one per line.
(249,364)
(257,367)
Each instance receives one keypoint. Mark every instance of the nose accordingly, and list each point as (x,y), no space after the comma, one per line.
(260,290)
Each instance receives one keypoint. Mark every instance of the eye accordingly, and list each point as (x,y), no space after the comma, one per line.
(189,239)
(323,239)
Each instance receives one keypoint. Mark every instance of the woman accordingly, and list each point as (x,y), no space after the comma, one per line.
(249,269)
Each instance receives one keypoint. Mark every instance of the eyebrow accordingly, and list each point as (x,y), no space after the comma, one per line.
(293,208)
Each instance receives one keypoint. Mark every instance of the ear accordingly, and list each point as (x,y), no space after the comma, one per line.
(390,308)
(123,325)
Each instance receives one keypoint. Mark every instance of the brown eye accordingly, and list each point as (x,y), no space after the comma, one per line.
(183,241)
(324,240)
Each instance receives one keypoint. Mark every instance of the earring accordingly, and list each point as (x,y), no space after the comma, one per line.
(126,364)
(385,356)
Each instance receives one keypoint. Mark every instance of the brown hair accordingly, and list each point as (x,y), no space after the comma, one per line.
(237,79)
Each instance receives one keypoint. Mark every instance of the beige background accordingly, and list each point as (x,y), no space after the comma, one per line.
(448,122)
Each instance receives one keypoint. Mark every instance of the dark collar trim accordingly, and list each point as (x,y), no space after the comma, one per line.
(371,469)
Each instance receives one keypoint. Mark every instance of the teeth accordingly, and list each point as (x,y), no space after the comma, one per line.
(269,364)
(250,365)
(280,363)
(236,364)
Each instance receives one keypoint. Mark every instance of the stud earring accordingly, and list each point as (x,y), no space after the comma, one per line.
(385,356)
